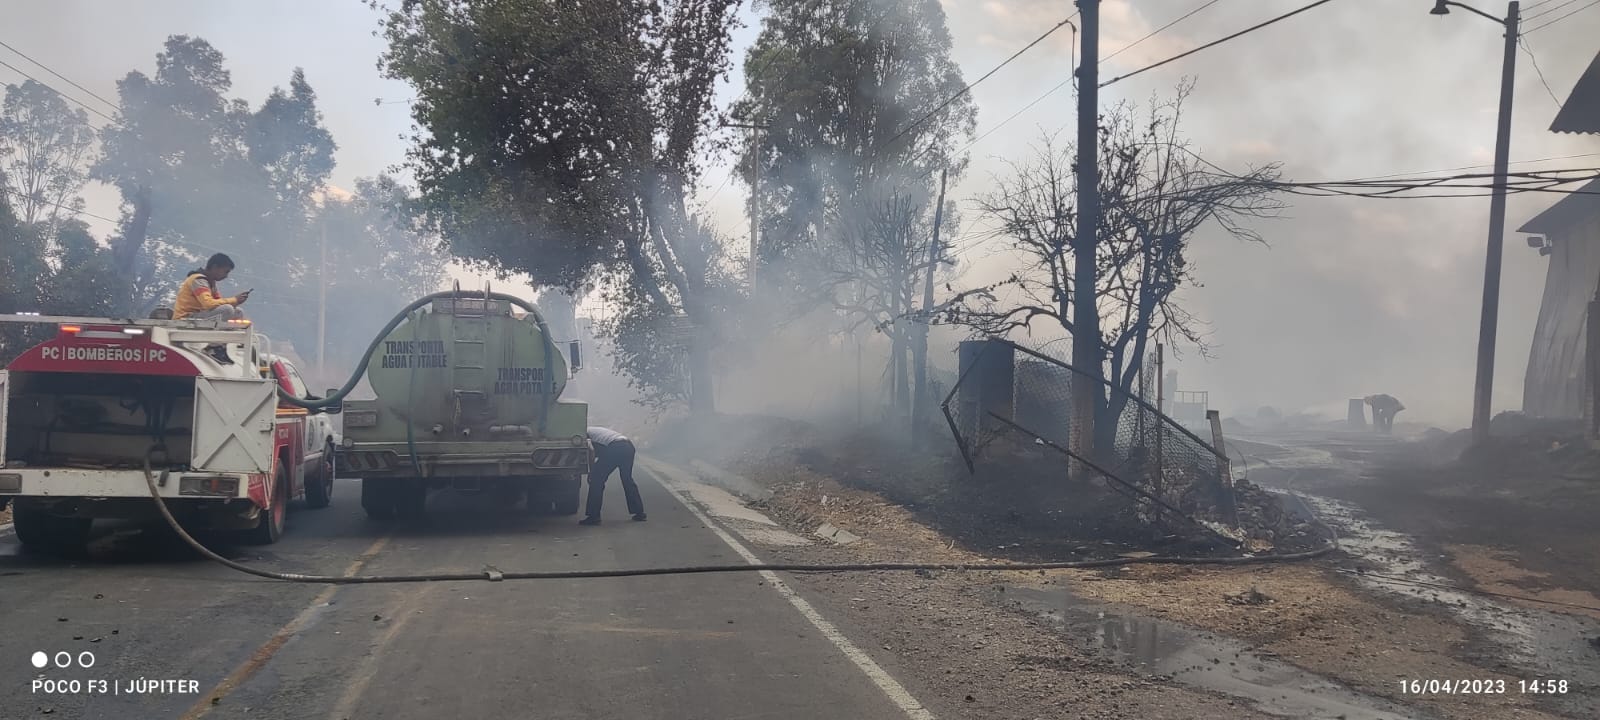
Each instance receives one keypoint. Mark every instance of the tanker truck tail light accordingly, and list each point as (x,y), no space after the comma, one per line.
(579,440)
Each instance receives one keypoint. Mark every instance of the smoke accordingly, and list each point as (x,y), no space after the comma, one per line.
(1353,296)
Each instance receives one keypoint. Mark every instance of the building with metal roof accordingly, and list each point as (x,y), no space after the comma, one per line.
(1560,382)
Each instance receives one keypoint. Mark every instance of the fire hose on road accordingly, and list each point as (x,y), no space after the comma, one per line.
(495,575)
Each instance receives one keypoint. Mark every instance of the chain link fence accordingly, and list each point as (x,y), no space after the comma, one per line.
(1009,393)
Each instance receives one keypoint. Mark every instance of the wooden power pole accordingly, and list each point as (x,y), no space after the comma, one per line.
(1086,353)
(755,195)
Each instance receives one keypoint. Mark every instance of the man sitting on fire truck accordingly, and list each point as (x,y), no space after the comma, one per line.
(199,299)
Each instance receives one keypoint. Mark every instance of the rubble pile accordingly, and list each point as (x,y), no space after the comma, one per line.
(1520,443)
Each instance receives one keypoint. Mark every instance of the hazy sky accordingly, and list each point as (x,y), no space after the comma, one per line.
(1353,297)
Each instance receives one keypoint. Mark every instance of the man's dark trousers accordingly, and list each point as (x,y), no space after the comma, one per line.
(616,456)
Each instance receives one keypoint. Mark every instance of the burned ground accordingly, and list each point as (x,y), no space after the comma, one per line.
(1028,644)
(1017,504)
(1529,498)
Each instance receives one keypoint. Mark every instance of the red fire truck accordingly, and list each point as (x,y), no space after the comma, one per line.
(86,415)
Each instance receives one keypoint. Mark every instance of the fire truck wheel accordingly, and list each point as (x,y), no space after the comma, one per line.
(273,520)
(319,492)
(51,534)
(569,495)
(377,498)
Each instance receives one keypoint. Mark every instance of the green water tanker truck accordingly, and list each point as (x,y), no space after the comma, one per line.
(468,389)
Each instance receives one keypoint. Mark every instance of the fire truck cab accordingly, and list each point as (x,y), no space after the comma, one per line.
(86,415)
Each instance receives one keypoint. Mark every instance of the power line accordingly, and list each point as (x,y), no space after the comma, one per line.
(1158,30)
(68,80)
(53,90)
(1477,167)
(958,95)
(1542,81)
(1215,43)
(1014,115)
(47,86)
(1563,17)
(1542,13)
(1073,76)
(178,243)
(68,208)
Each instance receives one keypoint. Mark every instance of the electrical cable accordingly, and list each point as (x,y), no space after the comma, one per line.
(1478,167)
(64,78)
(63,95)
(963,92)
(1528,14)
(1530,6)
(1563,17)
(1215,43)
(1523,41)
(1158,30)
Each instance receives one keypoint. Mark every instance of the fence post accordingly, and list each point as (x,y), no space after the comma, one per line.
(1225,482)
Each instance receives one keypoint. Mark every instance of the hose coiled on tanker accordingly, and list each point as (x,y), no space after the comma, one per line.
(361,368)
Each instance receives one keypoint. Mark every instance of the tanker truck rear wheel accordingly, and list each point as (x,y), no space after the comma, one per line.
(377,498)
(411,500)
(537,498)
(569,495)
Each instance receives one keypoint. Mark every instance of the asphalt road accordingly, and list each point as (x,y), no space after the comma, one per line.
(709,646)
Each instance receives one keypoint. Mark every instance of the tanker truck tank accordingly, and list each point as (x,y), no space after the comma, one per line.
(468,397)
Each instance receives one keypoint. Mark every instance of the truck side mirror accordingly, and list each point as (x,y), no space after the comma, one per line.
(577,355)
(335,408)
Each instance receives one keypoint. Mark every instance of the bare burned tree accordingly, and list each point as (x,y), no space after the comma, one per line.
(873,267)
(1156,193)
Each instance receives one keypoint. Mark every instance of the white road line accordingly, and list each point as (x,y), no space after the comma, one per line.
(890,687)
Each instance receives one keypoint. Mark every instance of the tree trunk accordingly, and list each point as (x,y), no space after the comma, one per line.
(125,250)
(919,391)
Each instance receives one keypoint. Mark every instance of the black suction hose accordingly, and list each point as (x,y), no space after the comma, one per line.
(366,358)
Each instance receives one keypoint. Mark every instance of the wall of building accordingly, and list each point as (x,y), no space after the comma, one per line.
(1555,385)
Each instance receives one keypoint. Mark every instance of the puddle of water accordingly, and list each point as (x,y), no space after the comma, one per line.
(1548,644)
(1203,660)
(1555,645)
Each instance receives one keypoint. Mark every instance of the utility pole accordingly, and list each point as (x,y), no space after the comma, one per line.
(919,395)
(322,305)
(1086,354)
(1488,321)
(755,195)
